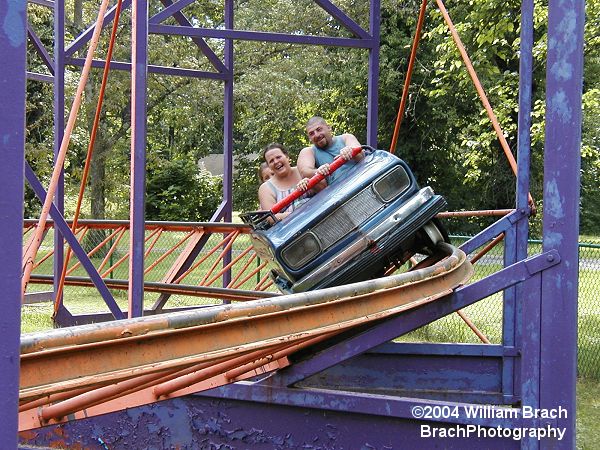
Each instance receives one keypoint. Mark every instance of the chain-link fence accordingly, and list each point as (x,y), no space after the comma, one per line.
(487,314)
(163,250)
(108,250)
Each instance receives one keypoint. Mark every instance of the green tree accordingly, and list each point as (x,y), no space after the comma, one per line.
(446,136)
(177,191)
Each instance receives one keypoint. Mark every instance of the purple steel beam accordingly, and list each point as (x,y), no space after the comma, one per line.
(40,49)
(413,319)
(524,118)
(530,348)
(40,77)
(219,212)
(163,70)
(13,48)
(431,348)
(139,74)
(47,3)
(346,21)
(228,118)
(63,228)
(85,37)
(170,9)
(227,210)
(564,81)
(466,379)
(513,303)
(509,310)
(500,226)
(370,404)
(373,81)
(59,127)
(262,36)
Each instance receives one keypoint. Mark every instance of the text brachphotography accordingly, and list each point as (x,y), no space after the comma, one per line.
(478,431)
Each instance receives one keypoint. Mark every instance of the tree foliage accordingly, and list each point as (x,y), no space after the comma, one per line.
(446,136)
(176,191)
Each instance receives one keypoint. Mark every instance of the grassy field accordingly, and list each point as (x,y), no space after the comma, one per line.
(588,413)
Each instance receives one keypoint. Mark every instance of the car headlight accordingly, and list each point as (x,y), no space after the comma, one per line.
(302,250)
(392,184)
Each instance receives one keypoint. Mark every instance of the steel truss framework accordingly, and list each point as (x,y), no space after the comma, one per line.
(363,390)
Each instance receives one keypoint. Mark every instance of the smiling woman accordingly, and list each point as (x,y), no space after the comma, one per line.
(283,182)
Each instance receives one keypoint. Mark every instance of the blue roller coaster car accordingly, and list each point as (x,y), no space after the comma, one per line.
(353,230)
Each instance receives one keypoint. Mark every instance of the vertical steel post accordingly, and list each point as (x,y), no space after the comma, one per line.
(523,171)
(13,40)
(508,315)
(373,82)
(139,74)
(228,132)
(516,238)
(558,339)
(228,117)
(59,131)
(524,118)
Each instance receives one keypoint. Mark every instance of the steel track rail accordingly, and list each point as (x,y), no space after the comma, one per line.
(89,355)
(166,288)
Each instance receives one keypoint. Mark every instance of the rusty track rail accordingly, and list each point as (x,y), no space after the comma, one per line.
(181,258)
(217,340)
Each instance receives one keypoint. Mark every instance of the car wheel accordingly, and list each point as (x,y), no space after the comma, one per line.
(432,234)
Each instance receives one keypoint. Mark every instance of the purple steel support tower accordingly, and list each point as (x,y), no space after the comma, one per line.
(13,39)
(139,75)
(224,71)
(373,82)
(558,334)
(59,127)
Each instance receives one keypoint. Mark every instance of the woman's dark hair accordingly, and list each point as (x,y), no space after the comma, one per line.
(273,145)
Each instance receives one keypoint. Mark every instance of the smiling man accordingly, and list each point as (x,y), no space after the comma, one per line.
(326,147)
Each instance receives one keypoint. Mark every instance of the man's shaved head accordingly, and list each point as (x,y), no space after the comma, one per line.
(315,120)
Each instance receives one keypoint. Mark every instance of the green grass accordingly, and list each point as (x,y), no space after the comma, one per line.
(588,413)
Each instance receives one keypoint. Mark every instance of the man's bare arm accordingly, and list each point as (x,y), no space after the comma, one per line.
(306,162)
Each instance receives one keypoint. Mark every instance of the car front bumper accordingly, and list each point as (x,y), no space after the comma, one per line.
(366,256)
